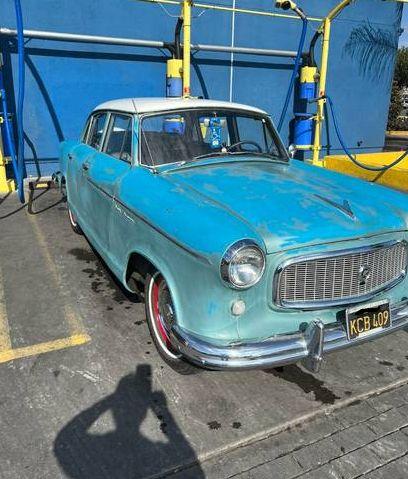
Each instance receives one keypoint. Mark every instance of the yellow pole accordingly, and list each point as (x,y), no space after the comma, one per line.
(322,91)
(326,29)
(186,48)
(6,185)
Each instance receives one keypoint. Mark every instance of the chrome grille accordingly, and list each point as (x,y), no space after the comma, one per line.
(342,277)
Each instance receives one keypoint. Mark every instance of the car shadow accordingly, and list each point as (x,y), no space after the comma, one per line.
(125,452)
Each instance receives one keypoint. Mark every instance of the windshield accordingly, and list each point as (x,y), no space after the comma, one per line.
(184,136)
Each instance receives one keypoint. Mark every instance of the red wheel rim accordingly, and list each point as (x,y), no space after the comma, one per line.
(157,315)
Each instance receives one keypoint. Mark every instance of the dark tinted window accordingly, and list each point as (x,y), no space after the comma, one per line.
(96,132)
(119,139)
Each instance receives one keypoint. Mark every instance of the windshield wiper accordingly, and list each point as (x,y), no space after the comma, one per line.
(254,153)
(213,153)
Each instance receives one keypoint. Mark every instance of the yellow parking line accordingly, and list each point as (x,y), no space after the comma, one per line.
(5,341)
(78,334)
(72,319)
(41,348)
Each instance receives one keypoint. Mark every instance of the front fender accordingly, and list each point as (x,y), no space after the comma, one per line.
(201,301)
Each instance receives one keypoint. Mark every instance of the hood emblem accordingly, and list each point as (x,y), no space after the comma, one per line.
(344,208)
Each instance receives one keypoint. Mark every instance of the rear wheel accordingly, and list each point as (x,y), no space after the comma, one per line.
(74,222)
(160,316)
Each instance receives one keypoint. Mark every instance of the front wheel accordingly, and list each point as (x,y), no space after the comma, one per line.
(160,315)
(74,222)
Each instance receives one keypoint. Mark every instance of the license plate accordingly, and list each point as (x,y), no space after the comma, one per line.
(367,319)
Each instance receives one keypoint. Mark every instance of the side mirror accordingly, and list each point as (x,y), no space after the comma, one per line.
(292,151)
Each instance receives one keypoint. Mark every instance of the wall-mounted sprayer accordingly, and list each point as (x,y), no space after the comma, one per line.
(289,5)
(174,80)
(178,67)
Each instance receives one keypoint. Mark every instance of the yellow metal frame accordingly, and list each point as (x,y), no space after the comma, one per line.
(325,28)
(222,8)
(396,177)
(6,185)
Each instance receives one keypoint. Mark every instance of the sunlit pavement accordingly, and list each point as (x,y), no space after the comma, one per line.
(85,395)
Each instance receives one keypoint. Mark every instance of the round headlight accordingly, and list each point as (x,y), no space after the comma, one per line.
(243,264)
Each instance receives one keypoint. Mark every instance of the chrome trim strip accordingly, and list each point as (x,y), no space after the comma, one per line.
(278,350)
(142,218)
(163,233)
(313,305)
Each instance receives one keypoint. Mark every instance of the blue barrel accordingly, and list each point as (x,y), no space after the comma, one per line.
(303,129)
(307,91)
(174,87)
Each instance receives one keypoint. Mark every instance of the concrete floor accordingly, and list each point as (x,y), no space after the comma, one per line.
(85,395)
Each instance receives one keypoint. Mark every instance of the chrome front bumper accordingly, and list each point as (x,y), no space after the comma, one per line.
(308,346)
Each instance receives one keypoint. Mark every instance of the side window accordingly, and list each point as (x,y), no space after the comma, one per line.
(85,131)
(119,139)
(96,131)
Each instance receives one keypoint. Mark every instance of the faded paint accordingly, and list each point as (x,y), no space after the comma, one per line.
(183,219)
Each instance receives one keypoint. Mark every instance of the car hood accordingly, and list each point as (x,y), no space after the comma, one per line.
(294,204)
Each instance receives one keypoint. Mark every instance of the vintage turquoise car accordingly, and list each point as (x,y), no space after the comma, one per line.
(248,259)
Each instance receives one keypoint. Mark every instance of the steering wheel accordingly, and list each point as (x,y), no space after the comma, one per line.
(245,142)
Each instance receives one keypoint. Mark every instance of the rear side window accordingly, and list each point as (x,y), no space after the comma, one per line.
(119,137)
(96,130)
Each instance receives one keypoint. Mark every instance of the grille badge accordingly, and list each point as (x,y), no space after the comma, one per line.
(364,274)
(344,208)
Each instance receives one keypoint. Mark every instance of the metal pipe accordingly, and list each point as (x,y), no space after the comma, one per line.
(245,50)
(76,38)
(222,8)
(131,42)
(187,48)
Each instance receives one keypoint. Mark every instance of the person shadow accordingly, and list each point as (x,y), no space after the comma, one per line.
(125,452)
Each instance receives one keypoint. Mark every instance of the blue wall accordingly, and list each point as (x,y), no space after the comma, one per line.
(64,81)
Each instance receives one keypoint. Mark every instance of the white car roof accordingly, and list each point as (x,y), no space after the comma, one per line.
(149,105)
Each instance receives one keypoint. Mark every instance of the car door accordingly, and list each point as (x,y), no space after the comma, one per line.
(84,159)
(103,172)
(74,159)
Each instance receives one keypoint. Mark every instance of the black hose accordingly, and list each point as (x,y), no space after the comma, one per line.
(352,158)
(177,34)
(311,57)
